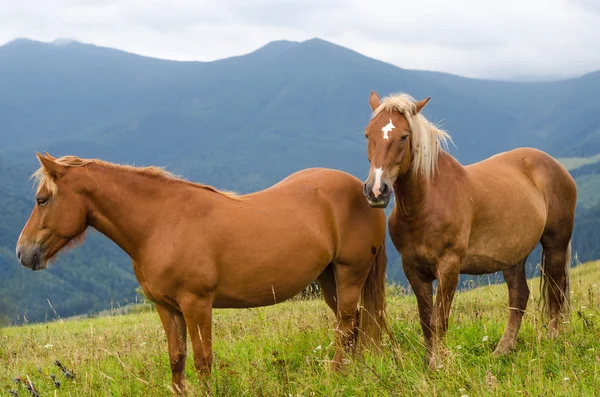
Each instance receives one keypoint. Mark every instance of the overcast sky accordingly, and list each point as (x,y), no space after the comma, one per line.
(499,39)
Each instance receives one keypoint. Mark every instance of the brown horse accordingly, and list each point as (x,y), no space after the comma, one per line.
(195,248)
(450,219)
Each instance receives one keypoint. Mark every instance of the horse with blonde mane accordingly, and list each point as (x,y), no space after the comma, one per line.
(449,219)
(195,248)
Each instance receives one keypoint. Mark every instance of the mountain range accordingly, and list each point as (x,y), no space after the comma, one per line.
(242,124)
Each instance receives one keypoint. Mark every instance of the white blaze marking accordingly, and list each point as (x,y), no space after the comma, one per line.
(387,129)
(377,185)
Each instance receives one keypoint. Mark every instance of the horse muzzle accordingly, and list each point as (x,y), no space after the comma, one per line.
(382,199)
(30,256)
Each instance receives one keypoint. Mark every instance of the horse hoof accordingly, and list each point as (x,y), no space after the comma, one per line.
(499,353)
(178,390)
(435,365)
(502,350)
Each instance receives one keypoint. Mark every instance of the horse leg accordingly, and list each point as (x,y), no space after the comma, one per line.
(349,287)
(327,282)
(423,290)
(197,312)
(448,271)
(518,295)
(174,326)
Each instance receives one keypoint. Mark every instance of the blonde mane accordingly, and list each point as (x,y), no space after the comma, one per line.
(427,139)
(43,179)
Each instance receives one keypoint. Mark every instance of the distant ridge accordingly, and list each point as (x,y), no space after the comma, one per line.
(282,45)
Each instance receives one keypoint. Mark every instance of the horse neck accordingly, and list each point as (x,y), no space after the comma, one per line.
(126,206)
(412,192)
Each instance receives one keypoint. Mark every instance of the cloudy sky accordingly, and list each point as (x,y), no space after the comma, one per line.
(501,39)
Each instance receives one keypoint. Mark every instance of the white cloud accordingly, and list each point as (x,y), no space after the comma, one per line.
(494,39)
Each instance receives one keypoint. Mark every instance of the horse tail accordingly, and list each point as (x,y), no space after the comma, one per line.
(567,303)
(564,296)
(372,320)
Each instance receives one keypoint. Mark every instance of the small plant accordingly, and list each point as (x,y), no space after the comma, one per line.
(68,374)
(312,291)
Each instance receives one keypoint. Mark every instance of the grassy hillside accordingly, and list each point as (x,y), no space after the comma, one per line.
(284,350)
(588,190)
(587,177)
(586,171)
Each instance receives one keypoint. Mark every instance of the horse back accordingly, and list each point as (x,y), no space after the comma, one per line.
(528,168)
(339,191)
(350,220)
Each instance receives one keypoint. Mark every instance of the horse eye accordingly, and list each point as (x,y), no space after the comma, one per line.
(42,201)
(403,137)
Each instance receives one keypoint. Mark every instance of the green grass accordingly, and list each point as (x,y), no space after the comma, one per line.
(588,190)
(284,350)
(572,163)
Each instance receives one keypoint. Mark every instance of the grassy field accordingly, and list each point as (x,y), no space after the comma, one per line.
(284,350)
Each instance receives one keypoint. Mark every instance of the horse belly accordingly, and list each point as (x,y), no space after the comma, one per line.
(267,285)
(503,242)
(482,264)
(266,274)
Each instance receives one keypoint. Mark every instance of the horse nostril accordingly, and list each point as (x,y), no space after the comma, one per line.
(19,253)
(384,189)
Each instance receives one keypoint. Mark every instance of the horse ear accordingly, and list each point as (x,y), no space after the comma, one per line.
(51,167)
(49,156)
(374,100)
(421,104)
